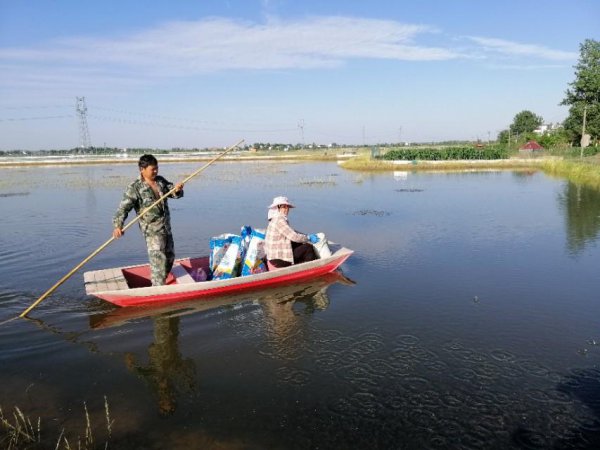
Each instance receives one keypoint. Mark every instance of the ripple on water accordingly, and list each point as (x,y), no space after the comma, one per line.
(422,418)
(591,425)
(368,343)
(395,401)
(559,397)
(366,405)
(537,395)
(452,346)
(468,355)
(416,384)
(502,355)
(464,374)
(327,360)
(436,366)
(341,407)
(529,439)
(450,428)
(533,368)
(406,339)
(452,400)
(400,368)
(476,436)
(293,375)
(327,336)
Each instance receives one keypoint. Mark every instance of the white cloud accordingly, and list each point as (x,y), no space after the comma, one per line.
(188,48)
(510,48)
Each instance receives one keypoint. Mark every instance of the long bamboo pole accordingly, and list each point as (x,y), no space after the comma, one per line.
(138,217)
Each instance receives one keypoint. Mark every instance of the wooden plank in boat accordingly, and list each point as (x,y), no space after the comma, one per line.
(115,281)
(104,280)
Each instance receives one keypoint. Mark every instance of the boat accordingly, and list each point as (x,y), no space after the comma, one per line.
(314,290)
(131,286)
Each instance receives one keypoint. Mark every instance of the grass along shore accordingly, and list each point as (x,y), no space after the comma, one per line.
(579,171)
(586,172)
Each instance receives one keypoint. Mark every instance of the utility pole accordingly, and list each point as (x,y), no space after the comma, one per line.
(301,126)
(584,142)
(84,132)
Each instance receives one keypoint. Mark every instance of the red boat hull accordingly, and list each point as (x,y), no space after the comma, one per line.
(138,293)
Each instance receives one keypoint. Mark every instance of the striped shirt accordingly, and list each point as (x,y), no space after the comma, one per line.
(279,238)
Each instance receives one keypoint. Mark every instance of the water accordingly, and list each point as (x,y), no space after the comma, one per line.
(467,317)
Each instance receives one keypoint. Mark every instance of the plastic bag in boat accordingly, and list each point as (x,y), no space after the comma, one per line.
(321,247)
(229,266)
(246,235)
(255,255)
(218,248)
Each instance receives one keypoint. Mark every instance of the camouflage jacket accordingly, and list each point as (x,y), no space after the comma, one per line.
(139,196)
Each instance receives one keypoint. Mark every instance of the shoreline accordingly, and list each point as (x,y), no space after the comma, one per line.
(163,159)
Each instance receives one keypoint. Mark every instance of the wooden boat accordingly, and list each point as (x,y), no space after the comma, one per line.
(131,286)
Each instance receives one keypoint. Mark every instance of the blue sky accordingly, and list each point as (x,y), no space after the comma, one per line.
(209,73)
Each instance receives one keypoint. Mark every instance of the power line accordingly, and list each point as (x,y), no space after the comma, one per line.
(14,119)
(185,127)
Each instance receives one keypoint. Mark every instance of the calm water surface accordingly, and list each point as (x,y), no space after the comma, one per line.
(467,317)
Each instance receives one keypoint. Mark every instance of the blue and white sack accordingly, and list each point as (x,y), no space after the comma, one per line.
(229,266)
(218,248)
(255,255)
(246,235)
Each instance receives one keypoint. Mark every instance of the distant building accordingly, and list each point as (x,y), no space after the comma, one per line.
(531,146)
(546,128)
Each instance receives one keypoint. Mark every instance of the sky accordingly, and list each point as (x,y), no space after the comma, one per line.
(208,73)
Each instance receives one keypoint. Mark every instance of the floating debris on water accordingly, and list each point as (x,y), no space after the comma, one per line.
(318,182)
(476,299)
(409,190)
(371,212)
(14,194)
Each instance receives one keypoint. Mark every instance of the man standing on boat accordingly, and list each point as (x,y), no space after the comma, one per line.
(156,223)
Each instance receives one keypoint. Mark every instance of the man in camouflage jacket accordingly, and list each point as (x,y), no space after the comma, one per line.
(156,223)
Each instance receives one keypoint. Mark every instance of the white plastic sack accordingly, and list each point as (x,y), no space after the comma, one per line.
(321,247)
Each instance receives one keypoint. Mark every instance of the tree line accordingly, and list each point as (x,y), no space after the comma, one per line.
(582,125)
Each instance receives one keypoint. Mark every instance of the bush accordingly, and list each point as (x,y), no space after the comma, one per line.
(444,154)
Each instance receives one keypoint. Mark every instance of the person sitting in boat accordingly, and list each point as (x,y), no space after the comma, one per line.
(156,223)
(283,245)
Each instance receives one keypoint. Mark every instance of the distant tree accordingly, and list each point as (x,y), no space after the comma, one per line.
(557,138)
(525,122)
(584,93)
(503,137)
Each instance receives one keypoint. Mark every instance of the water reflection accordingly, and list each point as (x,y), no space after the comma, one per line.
(581,205)
(167,371)
(170,375)
(284,326)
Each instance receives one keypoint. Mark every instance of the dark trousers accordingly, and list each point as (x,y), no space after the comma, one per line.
(302,253)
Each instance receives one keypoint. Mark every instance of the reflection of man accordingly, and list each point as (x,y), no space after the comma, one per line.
(167,370)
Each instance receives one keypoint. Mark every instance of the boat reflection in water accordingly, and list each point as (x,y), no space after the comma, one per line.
(169,374)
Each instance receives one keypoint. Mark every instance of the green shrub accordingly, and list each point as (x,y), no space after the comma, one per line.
(445,154)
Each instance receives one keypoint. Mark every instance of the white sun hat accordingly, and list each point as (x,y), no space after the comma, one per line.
(281,200)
